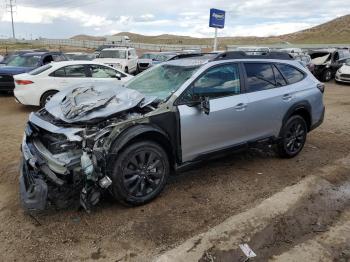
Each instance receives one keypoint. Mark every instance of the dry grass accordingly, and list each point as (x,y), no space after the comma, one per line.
(8,47)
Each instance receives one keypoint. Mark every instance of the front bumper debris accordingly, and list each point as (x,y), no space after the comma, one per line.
(51,177)
(33,190)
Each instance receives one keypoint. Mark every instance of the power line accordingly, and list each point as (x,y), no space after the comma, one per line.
(10,6)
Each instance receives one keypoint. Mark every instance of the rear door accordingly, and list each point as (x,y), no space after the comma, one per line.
(224,126)
(270,94)
(70,75)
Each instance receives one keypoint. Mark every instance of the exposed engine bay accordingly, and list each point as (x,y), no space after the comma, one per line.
(67,144)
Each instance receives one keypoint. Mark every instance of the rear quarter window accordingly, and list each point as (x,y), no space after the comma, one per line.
(290,73)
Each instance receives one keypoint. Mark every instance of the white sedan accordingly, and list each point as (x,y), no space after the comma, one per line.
(38,86)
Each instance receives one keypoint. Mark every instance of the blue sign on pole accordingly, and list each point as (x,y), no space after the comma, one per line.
(217,18)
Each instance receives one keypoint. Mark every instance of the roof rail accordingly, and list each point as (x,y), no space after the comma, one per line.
(244,55)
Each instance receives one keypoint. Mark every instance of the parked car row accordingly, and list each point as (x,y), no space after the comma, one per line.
(35,79)
(323,63)
(24,62)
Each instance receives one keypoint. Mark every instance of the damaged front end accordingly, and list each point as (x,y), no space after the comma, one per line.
(64,152)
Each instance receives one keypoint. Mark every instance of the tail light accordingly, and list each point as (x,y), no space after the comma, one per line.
(24,82)
(321,87)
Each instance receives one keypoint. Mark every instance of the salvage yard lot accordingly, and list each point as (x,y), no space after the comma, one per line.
(192,203)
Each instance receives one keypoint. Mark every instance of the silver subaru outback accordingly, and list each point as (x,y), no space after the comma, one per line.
(126,140)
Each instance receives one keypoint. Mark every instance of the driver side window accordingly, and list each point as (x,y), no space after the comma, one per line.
(219,81)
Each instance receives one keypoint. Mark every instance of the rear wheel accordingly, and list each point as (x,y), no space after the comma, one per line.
(293,137)
(46,97)
(140,173)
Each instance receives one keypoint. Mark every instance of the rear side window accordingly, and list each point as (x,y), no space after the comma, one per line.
(39,70)
(260,76)
(280,81)
(291,74)
(70,71)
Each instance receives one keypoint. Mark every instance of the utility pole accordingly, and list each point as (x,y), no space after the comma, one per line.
(11,6)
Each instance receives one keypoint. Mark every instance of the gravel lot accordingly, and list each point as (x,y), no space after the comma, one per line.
(191,203)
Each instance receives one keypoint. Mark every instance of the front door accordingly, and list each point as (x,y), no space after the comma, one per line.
(223,127)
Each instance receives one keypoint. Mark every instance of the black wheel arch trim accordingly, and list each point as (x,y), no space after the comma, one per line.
(301,105)
(48,91)
(135,131)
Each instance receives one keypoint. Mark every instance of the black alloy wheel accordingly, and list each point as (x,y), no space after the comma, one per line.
(140,173)
(143,172)
(293,137)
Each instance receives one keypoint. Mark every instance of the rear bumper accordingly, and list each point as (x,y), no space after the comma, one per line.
(26,96)
(320,121)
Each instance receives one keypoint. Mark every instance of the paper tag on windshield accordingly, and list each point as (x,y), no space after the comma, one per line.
(247,250)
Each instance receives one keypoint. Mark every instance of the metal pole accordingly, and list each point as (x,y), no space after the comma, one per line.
(216,39)
(13,27)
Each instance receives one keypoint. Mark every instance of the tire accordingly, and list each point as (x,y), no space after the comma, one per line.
(293,137)
(46,97)
(140,173)
(126,70)
(327,75)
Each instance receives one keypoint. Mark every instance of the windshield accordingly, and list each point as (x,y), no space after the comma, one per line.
(162,80)
(347,62)
(113,54)
(25,61)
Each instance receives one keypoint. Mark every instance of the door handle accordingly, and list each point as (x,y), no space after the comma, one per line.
(241,107)
(287,97)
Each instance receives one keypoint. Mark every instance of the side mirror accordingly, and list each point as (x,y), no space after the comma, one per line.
(118,76)
(205,105)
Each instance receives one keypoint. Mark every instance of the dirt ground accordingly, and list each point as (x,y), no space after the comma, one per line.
(192,202)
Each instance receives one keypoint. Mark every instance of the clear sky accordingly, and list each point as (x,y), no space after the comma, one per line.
(65,18)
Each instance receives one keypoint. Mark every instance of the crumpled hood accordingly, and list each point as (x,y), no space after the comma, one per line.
(320,60)
(14,70)
(88,101)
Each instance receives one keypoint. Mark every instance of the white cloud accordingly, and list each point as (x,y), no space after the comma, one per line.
(268,29)
(185,17)
(33,15)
